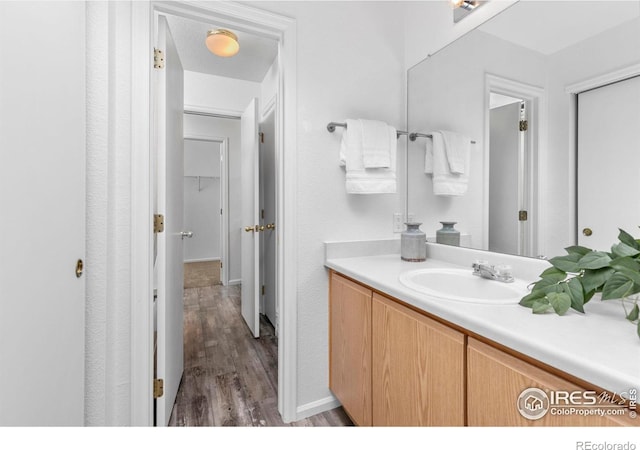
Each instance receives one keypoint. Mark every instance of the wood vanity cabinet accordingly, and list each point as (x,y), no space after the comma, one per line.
(389,365)
(417,368)
(496,379)
(350,347)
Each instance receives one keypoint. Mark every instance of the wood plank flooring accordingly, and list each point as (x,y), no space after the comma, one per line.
(230,378)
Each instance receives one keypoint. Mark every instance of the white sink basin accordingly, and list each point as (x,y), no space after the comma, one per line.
(461,285)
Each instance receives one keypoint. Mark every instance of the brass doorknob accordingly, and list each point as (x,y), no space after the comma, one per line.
(271,226)
(248,229)
(587,231)
(259,228)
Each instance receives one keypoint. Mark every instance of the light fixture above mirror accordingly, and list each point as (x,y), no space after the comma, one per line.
(462,8)
(222,42)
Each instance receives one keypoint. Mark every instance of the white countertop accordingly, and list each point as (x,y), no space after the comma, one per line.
(600,347)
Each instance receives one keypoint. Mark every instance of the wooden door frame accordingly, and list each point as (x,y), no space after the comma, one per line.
(262,23)
(224,198)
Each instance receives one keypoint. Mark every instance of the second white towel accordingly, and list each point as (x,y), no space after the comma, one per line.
(359,179)
(445,182)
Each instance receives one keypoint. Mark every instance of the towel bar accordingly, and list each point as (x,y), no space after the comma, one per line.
(414,136)
(331,126)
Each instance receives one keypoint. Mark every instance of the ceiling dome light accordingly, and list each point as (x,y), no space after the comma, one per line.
(222,42)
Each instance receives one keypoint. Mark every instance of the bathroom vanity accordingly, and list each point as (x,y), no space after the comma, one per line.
(399,357)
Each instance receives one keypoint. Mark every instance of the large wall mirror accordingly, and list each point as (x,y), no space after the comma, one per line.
(549,94)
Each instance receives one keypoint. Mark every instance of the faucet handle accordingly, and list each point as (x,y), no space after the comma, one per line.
(503,270)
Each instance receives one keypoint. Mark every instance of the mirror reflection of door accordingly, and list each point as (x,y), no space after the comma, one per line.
(608,163)
(508,211)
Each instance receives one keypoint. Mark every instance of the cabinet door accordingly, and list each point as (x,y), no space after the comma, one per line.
(496,380)
(350,347)
(418,368)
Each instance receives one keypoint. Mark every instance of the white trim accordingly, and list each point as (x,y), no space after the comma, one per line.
(209,111)
(141,222)
(537,99)
(316,407)
(262,23)
(235,282)
(196,260)
(204,137)
(600,80)
(266,110)
(286,205)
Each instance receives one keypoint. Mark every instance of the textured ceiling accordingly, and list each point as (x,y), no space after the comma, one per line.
(251,63)
(550,26)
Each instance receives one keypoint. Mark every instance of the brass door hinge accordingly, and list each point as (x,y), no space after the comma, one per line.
(522,216)
(263,289)
(524,125)
(158,223)
(158,59)
(262,138)
(158,387)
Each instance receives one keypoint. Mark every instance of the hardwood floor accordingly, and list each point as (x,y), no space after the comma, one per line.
(230,378)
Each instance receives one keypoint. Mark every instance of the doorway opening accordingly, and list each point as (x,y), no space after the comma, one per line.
(514,126)
(275,29)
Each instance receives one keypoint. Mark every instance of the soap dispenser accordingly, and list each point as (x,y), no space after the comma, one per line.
(413,243)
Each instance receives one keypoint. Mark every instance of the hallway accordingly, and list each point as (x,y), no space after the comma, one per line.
(230,378)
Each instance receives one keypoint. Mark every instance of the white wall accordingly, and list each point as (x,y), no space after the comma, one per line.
(447,92)
(202,200)
(222,93)
(350,64)
(429,26)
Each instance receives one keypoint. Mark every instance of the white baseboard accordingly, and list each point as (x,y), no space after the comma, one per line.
(201,260)
(317,407)
(232,282)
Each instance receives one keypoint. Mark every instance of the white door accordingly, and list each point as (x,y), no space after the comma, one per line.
(268,236)
(250,248)
(170,268)
(608,163)
(42,226)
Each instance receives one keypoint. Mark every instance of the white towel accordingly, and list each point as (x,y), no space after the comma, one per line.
(437,164)
(456,147)
(360,180)
(376,146)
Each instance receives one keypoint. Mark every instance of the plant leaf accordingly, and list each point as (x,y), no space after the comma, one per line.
(588,295)
(638,329)
(630,274)
(622,249)
(635,312)
(545,285)
(626,238)
(541,306)
(625,262)
(578,250)
(553,274)
(567,263)
(594,260)
(528,300)
(618,286)
(594,279)
(560,302)
(576,293)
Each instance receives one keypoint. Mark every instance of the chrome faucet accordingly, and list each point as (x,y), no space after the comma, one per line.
(500,273)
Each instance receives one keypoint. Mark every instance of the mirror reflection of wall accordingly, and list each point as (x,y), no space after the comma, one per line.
(544,50)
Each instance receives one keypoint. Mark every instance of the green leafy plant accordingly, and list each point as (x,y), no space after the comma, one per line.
(576,277)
